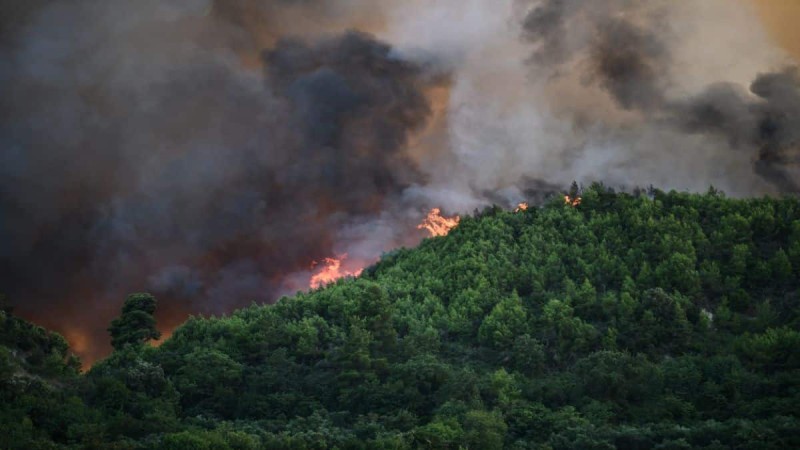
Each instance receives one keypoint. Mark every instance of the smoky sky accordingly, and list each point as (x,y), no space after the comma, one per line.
(210,151)
(627,54)
(139,155)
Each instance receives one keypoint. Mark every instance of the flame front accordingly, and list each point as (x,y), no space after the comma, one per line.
(331,271)
(437,224)
(521,207)
(572,201)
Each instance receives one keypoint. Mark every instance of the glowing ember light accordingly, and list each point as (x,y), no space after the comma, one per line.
(437,224)
(165,334)
(572,201)
(331,272)
(521,207)
(78,340)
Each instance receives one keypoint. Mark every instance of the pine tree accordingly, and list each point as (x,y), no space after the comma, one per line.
(136,325)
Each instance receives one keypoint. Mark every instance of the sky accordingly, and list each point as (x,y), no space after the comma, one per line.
(780,17)
(217,153)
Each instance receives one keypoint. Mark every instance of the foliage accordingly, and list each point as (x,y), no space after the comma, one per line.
(654,320)
(136,325)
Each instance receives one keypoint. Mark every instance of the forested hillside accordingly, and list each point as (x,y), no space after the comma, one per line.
(647,320)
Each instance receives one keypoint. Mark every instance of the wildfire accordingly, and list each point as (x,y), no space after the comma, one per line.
(78,341)
(521,207)
(572,201)
(437,224)
(331,271)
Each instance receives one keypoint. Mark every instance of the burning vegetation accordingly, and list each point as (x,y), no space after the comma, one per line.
(437,224)
(331,271)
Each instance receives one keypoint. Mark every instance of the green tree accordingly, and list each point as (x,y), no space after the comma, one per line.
(136,325)
(209,380)
(506,321)
(484,430)
(781,267)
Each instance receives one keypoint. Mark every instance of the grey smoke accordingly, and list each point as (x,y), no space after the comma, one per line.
(625,49)
(141,153)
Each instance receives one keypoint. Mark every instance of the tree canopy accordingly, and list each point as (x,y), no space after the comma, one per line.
(648,320)
(136,325)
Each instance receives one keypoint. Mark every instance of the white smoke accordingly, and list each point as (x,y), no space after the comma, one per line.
(510,119)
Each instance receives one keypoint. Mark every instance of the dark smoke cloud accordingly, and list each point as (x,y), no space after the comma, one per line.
(353,104)
(621,54)
(140,153)
(766,119)
(627,60)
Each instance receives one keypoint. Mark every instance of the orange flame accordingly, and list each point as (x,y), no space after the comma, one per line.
(521,207)
(331,272)
(572,201)
(437,224)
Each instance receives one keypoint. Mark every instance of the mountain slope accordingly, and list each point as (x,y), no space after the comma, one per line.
(655,320)
(668,319)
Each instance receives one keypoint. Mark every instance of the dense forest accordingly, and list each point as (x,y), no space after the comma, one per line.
(631,320)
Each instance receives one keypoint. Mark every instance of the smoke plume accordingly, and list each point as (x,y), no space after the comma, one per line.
(627,54)
(211,152)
